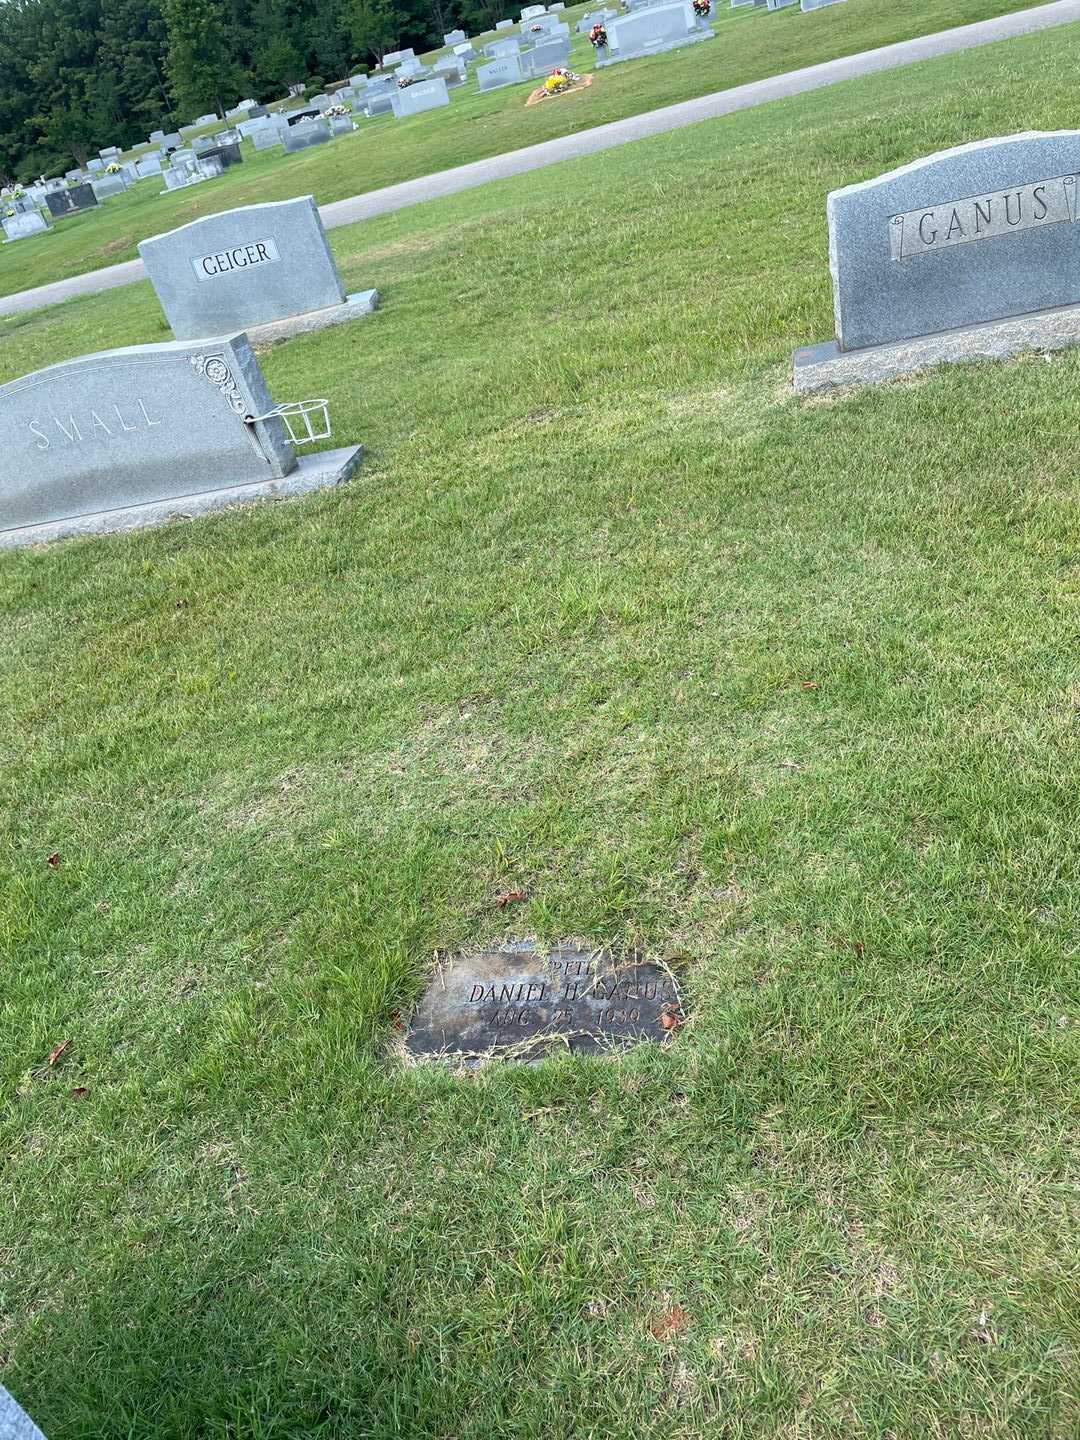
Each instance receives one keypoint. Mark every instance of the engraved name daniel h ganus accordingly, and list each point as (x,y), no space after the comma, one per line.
(92,425)
(983,217)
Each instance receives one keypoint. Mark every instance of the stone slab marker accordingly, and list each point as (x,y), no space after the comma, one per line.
(519,1003)
(129,437)
(15,1424)
(266,269)
(971,253)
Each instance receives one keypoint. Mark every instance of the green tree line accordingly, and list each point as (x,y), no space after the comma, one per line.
(76,75)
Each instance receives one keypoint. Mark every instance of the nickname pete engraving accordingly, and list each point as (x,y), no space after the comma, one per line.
(982,217)
(238,257)
(75,430)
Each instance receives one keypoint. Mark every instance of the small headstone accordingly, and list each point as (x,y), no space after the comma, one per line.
(69,202)
(452,69)
(18,227)
(268,135)
(545,57)
(96,166)
(148,165)
(455,37)
(505,25)
(255,266)
(306,133)
(497,73)
(228,153)
(519,1003)
(107,185)
(157,137)
(423,95)
(466,52)
(500,49)
(967,254)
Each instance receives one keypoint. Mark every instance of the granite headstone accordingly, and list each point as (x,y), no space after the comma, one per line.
(972,252)
(247,268)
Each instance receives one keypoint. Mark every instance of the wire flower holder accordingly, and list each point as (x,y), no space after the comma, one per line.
(305,420)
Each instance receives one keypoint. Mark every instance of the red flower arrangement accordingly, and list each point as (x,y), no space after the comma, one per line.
(404,81)
(598,35)
(702,8)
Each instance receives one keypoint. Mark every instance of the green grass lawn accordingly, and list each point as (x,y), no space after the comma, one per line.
(750,45)
(784,692)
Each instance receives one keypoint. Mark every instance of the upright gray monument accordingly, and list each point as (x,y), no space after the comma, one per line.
(969,254)
(266,269)
(130,437)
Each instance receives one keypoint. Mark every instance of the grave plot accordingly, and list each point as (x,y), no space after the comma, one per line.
(523,1003)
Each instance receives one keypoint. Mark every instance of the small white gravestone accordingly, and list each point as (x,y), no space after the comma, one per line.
(266,269)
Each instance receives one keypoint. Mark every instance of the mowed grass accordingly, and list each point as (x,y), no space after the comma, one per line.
(784,692)
(751,44)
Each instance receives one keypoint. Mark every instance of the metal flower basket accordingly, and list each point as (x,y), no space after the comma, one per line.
(305,420)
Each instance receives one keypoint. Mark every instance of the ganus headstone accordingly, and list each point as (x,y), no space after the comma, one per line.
(971,253)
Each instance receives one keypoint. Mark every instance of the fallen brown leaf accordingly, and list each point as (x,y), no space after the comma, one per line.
(506,897)
(80,1092)
(53,861)
(669,1323)
(670,1016)
(54,1055)
(811,685)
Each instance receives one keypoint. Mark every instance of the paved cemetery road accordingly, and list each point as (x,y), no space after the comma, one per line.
(605,137)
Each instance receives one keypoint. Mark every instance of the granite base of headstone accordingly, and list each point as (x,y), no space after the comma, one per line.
(265,269)
(968,254)
(134,437)
(15,1424)
(521,1003)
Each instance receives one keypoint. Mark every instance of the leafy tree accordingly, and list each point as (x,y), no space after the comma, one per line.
(375,26)
(201,58)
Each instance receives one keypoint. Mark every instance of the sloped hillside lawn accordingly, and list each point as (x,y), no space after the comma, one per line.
(783,692)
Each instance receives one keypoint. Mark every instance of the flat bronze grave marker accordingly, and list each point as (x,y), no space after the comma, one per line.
(520,1003)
